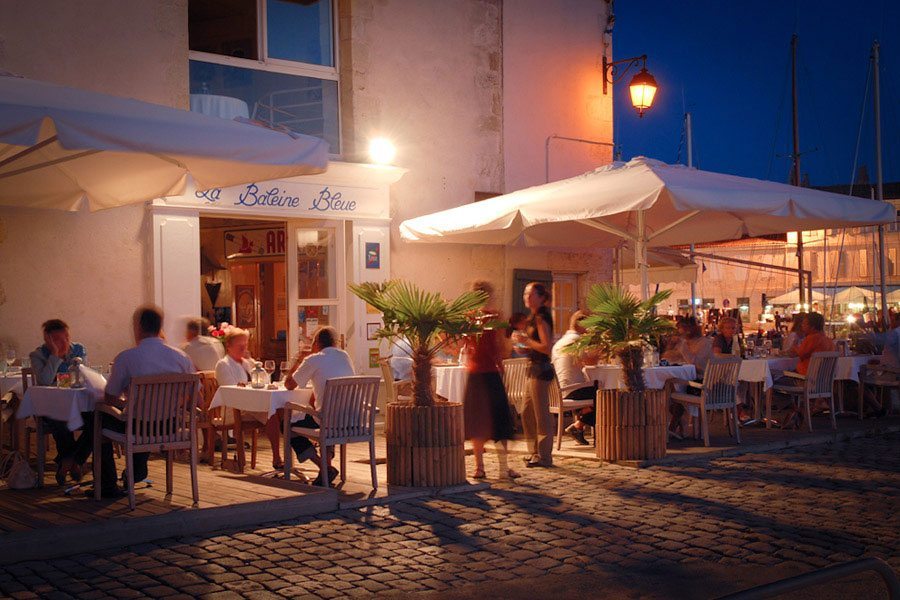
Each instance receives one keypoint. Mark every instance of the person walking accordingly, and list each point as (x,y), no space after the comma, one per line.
(486,406)
(538,340)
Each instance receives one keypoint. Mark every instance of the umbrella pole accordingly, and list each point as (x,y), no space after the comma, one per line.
(693,287)
(640,254)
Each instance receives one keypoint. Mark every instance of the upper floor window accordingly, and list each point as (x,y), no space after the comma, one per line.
(269,60)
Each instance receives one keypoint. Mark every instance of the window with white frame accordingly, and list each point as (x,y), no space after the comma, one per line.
(273,60)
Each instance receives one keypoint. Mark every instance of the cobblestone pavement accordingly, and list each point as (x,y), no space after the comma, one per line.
(731,522)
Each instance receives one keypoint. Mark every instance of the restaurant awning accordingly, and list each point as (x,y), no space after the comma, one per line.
(644,201)
(60,146)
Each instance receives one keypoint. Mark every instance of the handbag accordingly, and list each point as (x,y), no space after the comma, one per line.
(542,370)
(15,470)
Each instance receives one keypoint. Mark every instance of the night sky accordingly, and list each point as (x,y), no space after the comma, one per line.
(728,63)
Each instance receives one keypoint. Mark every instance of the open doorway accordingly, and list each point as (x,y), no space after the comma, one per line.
(244,280)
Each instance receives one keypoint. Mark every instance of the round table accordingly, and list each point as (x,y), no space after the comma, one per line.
(224,107)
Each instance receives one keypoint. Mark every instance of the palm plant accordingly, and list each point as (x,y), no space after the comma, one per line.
(424,319)
(619,325)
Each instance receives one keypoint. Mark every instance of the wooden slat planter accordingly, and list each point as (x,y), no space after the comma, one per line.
(631,426)
(425,444)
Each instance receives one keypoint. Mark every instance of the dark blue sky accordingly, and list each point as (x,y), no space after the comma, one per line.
(728,63)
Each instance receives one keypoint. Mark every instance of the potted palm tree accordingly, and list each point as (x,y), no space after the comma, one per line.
(631,423)
(425,438)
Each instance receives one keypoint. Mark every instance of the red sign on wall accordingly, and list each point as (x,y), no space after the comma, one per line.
(254,242)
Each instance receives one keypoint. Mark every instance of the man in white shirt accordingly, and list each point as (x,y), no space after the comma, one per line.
(151,356)
(569,370)
(203,350)
(324,363)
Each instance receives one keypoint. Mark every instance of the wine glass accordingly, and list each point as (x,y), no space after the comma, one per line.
(751,345)
(269,367)
(284,367)
(10,357)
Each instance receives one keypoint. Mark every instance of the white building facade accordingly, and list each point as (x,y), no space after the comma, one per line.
(476,95)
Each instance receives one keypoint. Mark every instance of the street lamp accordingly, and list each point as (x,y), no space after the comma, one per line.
(643,85)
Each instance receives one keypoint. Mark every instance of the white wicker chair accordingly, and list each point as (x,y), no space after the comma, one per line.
(160,415)
(346,414)
(817,383)
(515,380)
(881,377)
(559,405)
(717,392)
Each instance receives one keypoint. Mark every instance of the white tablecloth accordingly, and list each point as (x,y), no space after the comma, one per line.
(11,383)
(225,107)
(61,404)
(450,382)
(260,400)
(610,377)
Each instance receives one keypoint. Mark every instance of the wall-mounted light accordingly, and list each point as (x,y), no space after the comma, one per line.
(643,85)
(381,151)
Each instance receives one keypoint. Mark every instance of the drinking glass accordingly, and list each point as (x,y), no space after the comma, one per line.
(25,362)
(10,357)
(269,367)
(283,368)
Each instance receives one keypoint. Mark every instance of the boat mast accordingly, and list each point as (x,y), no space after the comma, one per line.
(796,171)
(879,186)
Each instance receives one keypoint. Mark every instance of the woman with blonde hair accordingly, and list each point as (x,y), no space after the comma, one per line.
(235,369)
(485,402)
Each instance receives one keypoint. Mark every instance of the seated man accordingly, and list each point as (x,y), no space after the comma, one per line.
(150,356)
(814,340)
(53,357)
(724,342)
(569,370)
(203,350)
(324,363)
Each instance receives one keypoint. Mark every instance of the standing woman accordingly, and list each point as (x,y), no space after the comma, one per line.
(486,404)
(538,339)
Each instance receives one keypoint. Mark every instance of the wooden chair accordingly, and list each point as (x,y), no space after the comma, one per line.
(817,383)
(881,377)
(35,425)
(345,415)
(391,386)
(717,392)
(160,415)
(515,380)
(211,422)
(559,405)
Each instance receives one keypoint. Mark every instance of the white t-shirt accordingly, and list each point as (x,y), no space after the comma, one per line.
(401,359)
(568,369)
(232,372)
(150,357)
(320,367)
(204,352)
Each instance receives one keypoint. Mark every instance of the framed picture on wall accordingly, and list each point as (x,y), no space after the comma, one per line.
(371,330)
(373,255)
(245,304)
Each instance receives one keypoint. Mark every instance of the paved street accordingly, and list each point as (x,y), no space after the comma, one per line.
(692,530)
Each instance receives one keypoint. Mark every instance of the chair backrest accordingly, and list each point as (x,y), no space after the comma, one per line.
(348,407)
(720,381)
(555,393)
(820,376)
(879,374)
(388,375)
(28,378)
(161,409)
(515,380)
(208,387)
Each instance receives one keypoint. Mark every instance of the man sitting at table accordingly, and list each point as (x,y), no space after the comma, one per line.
(323,363)
(569,370)
(53,357)
(723,343)
(814,340)
(150,356)
(203,350)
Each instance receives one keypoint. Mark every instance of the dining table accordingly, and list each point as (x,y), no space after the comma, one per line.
(57,403)
(611,377)
(450,381)
(268,400)
(11,381)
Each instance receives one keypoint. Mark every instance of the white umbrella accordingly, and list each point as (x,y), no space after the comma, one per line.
(857,295)
(793,297)
(644,201)
(60,145)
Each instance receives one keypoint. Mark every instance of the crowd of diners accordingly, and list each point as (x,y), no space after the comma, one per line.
(152,355)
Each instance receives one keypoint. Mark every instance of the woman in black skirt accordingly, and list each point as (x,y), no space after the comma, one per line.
(486,406)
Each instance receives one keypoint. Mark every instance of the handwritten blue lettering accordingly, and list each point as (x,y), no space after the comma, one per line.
(253,197)
(327,201)
(209,195)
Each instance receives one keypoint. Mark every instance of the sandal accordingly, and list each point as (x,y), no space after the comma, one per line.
(479,474)
(278,465)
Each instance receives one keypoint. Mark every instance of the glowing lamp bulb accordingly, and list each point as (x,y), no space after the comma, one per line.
(382,151)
